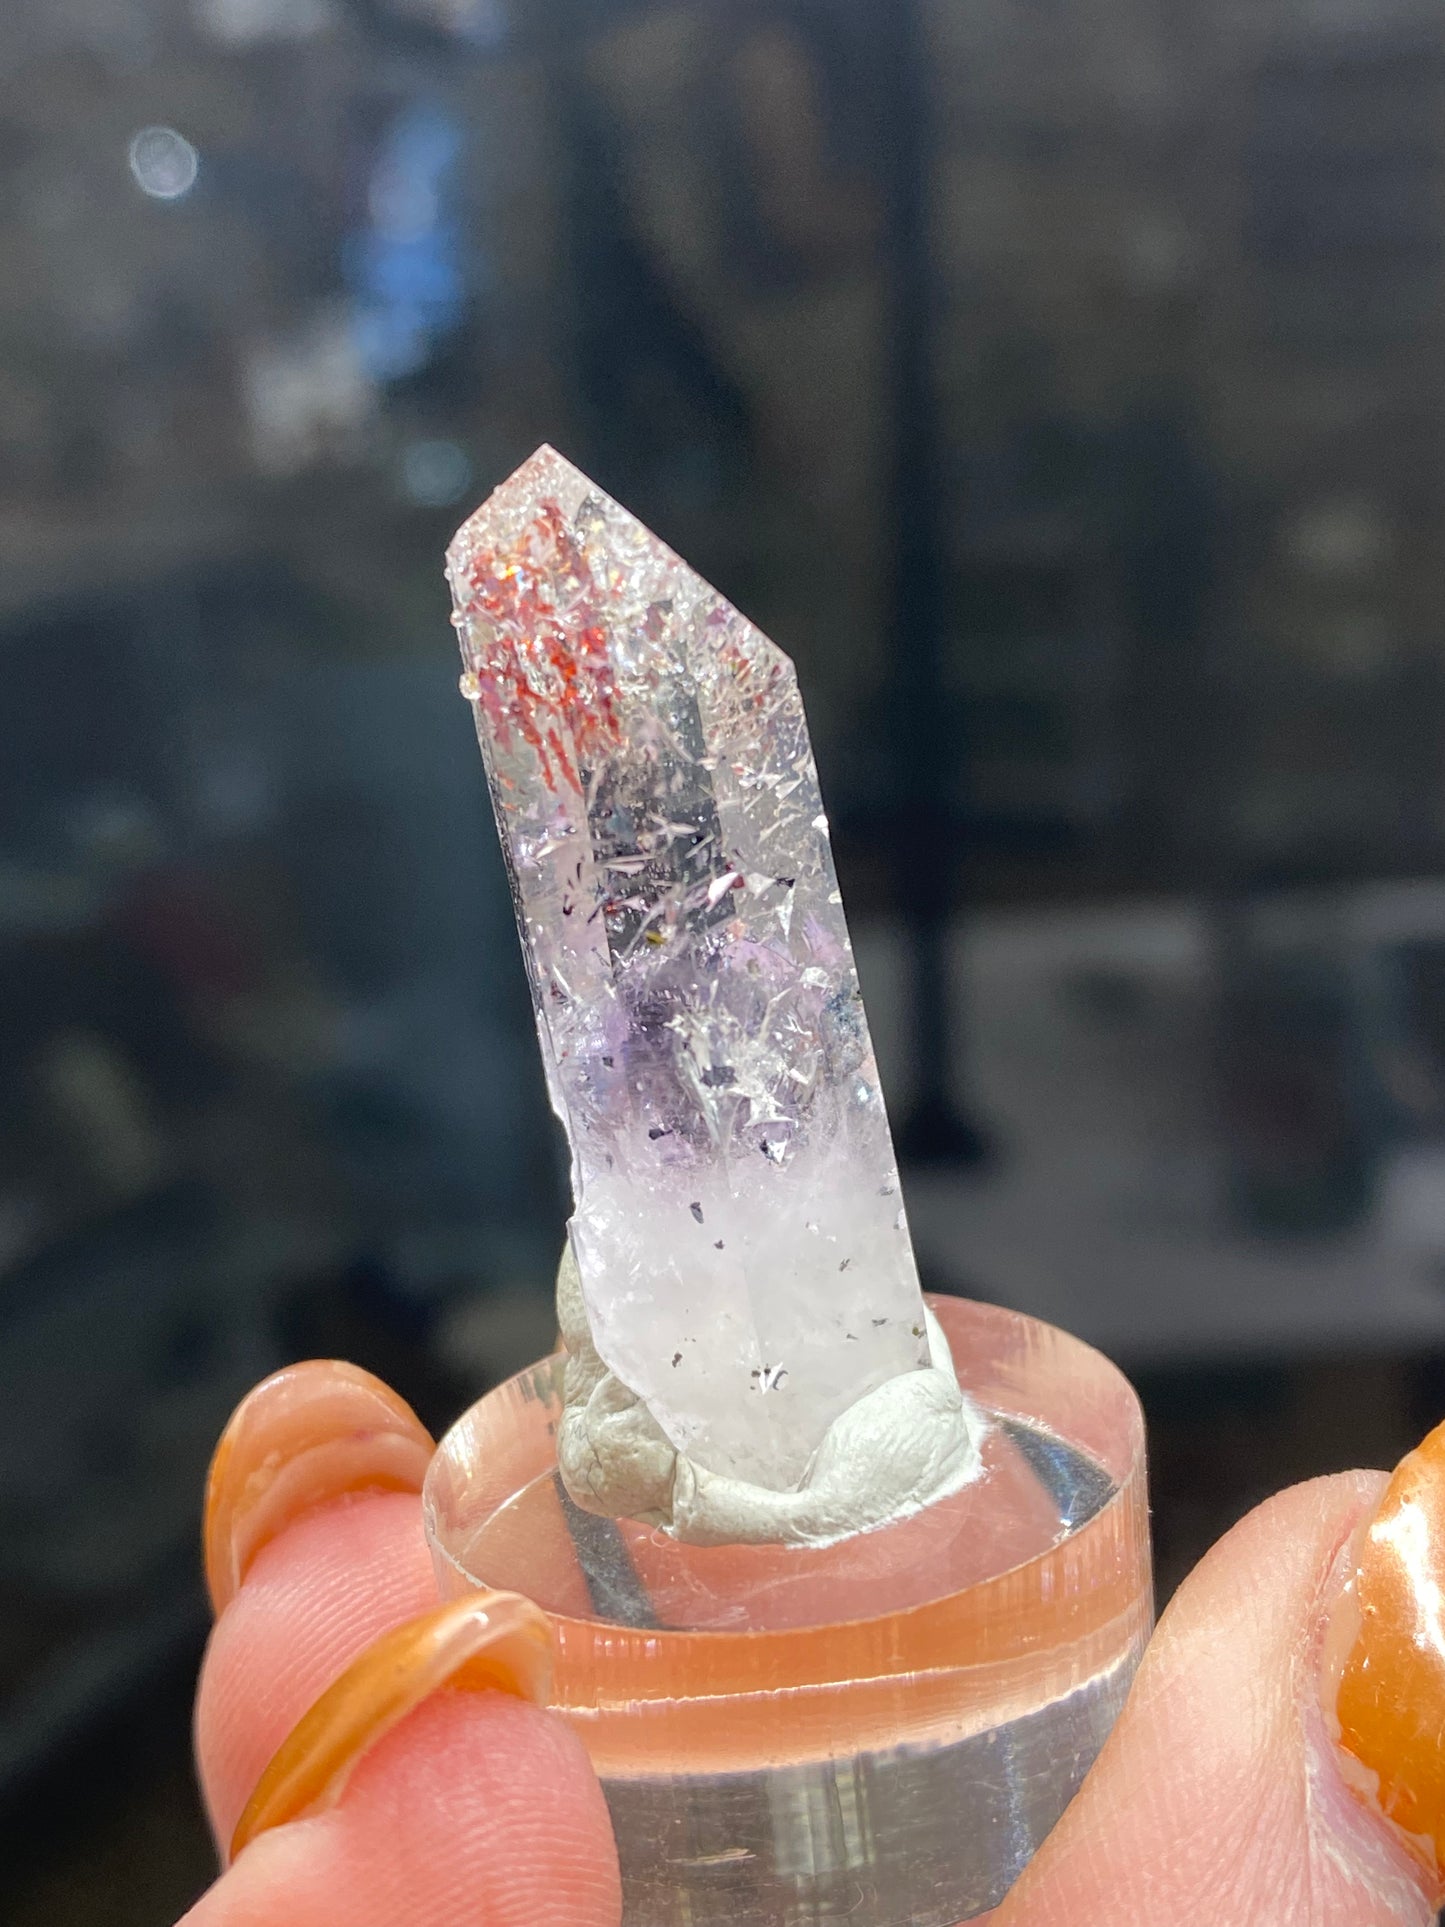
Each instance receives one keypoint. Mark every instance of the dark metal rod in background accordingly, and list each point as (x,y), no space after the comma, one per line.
(927,750)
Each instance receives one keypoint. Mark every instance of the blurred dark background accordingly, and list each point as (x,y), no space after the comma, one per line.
(1059,381)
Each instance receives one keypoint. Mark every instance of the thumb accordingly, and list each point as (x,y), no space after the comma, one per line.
(1221,1795)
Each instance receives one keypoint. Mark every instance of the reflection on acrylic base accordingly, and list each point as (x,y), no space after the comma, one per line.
(928,1836)
(878,1732)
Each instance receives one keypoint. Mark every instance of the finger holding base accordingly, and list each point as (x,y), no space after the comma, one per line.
(376,1759)
(1220,1796)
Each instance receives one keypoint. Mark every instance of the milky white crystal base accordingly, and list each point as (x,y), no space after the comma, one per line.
(748,1352)
(910,1442)
(743,1253)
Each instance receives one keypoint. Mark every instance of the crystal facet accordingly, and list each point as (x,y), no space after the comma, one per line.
(743,1251)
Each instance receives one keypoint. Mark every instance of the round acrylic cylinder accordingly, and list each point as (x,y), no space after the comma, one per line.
(875,1733)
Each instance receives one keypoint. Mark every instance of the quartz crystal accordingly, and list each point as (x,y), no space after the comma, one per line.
(744,1256)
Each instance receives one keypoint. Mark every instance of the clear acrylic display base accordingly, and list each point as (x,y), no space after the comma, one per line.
(878,1733)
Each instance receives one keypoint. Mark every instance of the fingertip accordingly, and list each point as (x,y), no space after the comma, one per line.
(478,1807)
(307,1435)
(1217,1796)
(480,1641)
(472,1804)
(508,1797)
(313,1599)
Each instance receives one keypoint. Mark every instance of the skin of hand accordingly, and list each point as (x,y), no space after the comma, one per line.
(378,1761)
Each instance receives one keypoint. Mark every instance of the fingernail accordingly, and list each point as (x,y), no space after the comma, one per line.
(306,1435)
(1386,1648)
(484,1641)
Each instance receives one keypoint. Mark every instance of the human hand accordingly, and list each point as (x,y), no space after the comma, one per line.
(428,1789)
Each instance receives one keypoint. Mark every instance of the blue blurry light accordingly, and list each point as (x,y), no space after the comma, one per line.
(405,266)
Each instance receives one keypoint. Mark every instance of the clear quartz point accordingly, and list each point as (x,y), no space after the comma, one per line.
(743,1251)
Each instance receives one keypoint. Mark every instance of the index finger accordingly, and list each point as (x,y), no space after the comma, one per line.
(314,1548)
(394,1787)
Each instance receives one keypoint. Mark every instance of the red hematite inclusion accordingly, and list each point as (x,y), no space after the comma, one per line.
(538,649)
